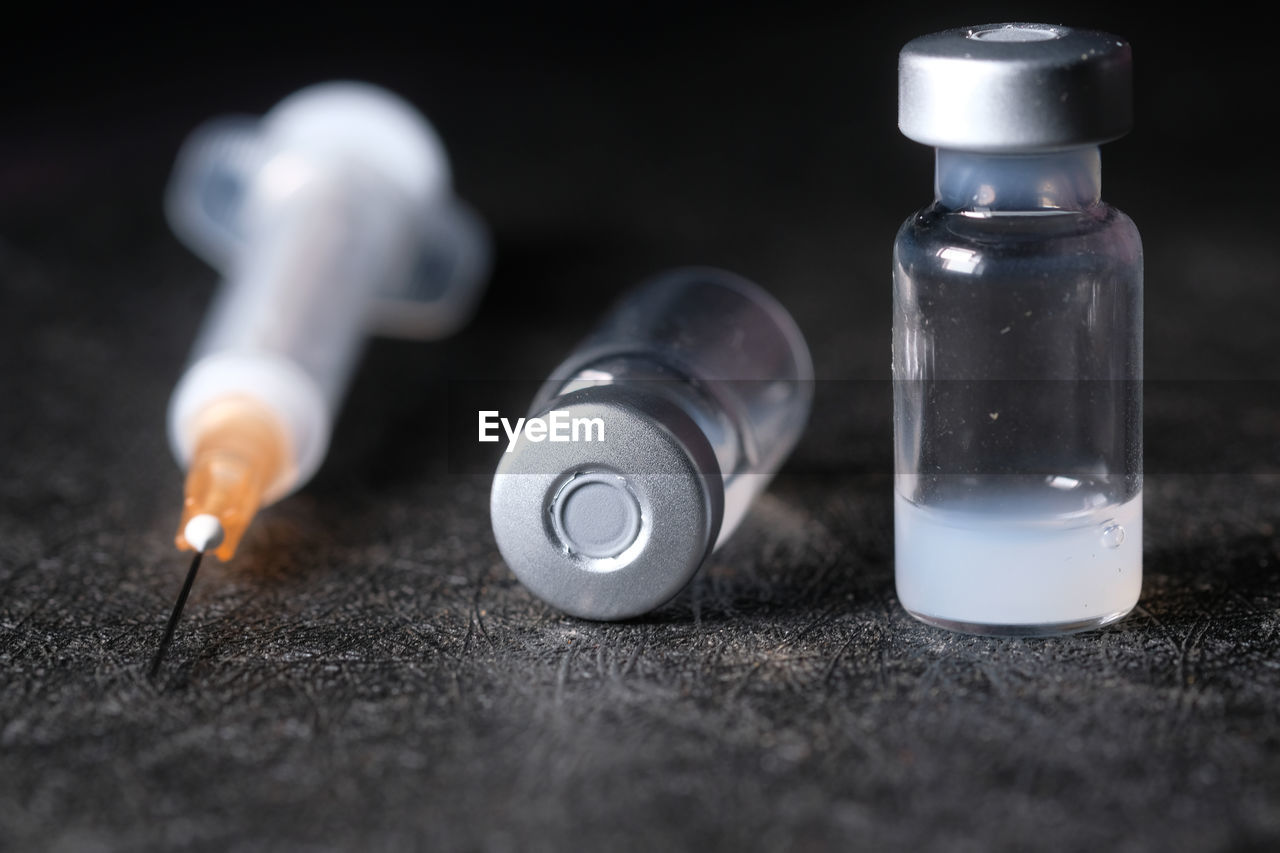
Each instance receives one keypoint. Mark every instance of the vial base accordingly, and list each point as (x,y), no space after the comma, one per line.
(1057,629)
(1007,574)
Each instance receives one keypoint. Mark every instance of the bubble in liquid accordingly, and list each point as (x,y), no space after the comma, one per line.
(1113,536)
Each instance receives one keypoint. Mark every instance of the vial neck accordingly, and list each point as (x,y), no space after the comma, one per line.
(1070,179)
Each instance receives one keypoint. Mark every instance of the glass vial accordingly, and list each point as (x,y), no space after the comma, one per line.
(1017,338)
(673,414)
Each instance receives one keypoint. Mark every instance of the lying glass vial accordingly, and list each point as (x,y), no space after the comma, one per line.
(701,384)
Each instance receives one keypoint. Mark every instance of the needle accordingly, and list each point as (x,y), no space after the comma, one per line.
(203,532)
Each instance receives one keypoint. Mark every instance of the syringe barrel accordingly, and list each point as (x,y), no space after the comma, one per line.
(302,290)
(330,218)
(289,320)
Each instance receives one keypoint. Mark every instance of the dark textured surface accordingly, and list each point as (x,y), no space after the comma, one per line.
(367,674)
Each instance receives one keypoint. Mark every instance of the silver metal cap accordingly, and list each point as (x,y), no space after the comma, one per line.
(1015,87)
(609,529)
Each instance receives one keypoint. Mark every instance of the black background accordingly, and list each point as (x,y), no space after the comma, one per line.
(367,672)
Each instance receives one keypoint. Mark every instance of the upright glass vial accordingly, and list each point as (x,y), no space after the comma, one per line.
(1017,338)
(673,414)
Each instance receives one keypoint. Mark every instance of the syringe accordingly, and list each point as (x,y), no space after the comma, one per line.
(330,218)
